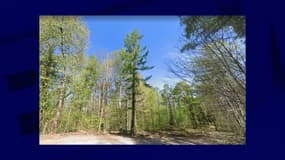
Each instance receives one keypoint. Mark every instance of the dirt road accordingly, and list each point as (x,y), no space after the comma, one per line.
(105,139)
(85,139)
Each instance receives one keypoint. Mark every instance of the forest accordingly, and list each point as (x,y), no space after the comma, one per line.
(84,95)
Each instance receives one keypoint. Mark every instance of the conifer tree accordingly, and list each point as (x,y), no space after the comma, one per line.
(134,60)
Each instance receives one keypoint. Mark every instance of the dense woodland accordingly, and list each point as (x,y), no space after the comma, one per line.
(85,93)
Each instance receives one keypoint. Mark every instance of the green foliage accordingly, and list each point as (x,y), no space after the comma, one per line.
(195,26)
(133,61)
(112,95)
(215,66)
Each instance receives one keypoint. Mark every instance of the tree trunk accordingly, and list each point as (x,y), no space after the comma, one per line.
(101,107)
(127,116)
(60,105)
(68,120)
(171,120)
(119,95)
(63,85)
(158,104)
(45,127)
(152,119)
(193,118)
(133,107)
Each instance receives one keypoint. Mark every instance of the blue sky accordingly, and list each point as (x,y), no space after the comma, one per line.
(161,36)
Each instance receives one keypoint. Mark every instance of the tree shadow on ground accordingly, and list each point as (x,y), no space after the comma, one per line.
(177,139)
(157,139)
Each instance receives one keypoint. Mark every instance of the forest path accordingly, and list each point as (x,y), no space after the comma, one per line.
(77,138)
(106,138)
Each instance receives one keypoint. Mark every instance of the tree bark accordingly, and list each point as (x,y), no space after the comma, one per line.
(171,119)
(133,107)
(60,105)
(101,106)
(119,104)
(127,115)
(63,85)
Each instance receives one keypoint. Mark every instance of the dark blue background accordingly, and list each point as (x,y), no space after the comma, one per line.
(19,85)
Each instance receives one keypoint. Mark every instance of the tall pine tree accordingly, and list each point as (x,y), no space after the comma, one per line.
(134,60)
